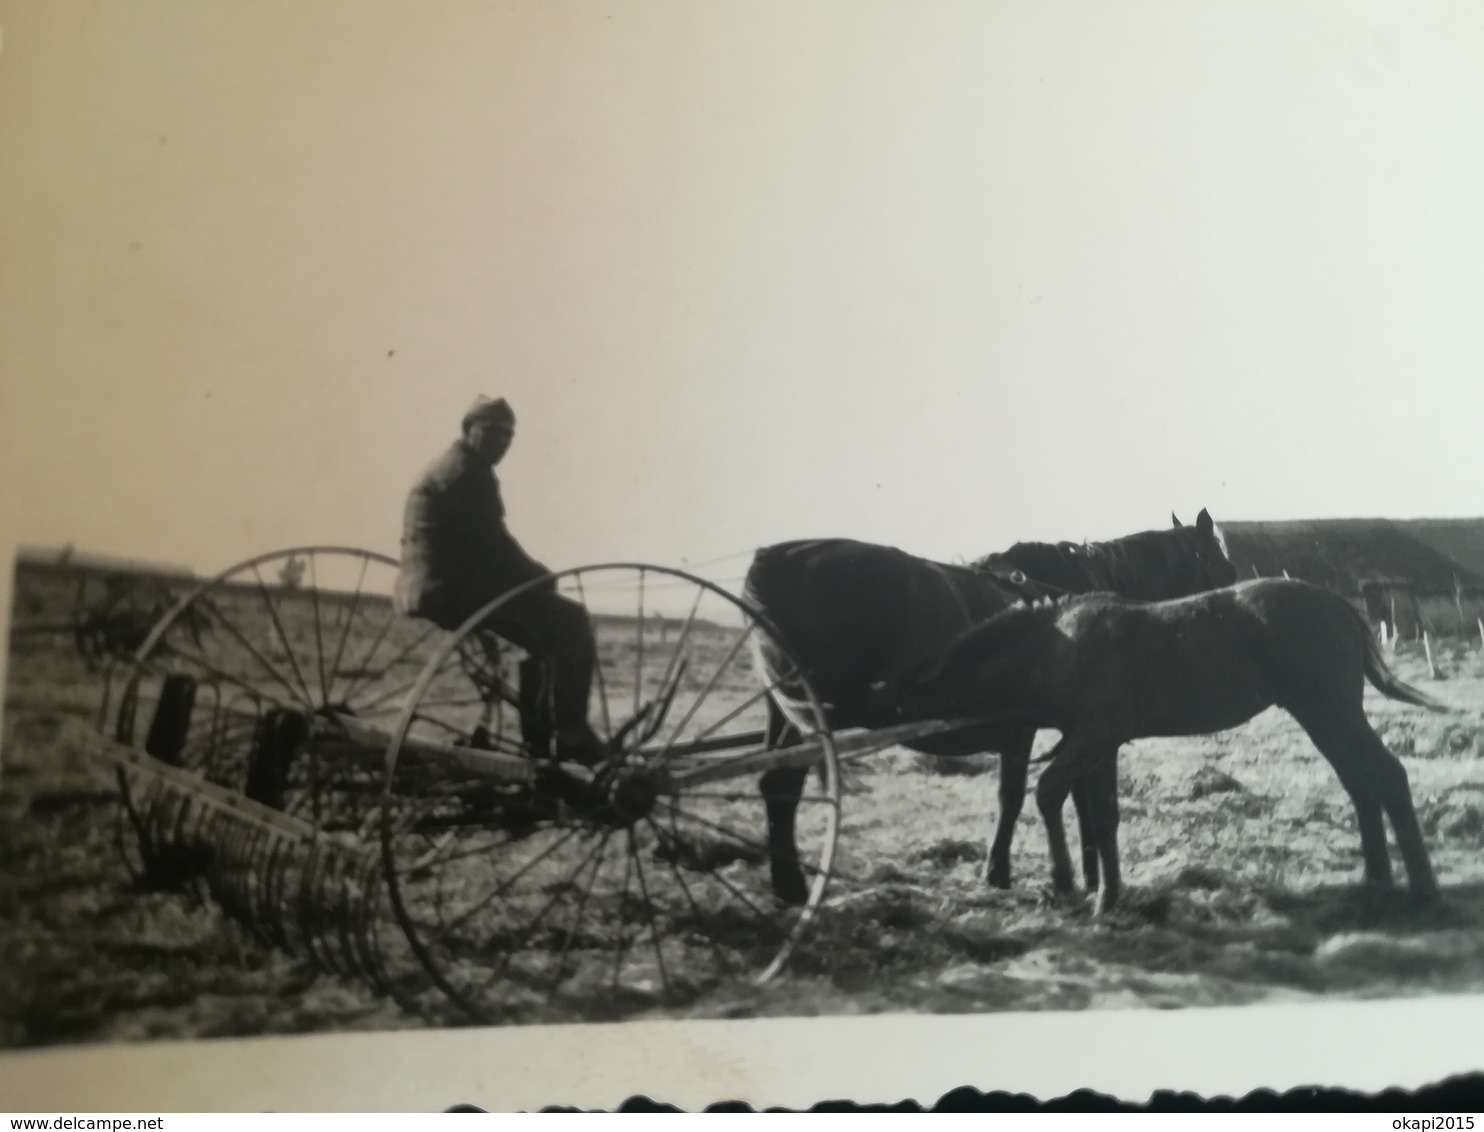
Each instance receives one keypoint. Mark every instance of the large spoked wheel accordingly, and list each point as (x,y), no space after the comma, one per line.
(271,681)
(532,888)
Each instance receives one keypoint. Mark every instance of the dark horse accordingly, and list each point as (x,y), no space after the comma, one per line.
(856,615)
(1103,671)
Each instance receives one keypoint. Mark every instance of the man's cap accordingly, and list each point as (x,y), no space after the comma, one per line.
(486,411)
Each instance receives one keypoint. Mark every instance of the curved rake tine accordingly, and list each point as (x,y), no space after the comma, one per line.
(347,891)
(239,849)
(329,918)
(131,814)
(218,877)
(278,856)
(652,715)
(369,922)
(664,701)
(267,914)
(304,906)
(621,735)
(706,691)
(277,868)
(253,850)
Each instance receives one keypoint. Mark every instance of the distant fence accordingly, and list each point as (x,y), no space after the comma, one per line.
(1399,612)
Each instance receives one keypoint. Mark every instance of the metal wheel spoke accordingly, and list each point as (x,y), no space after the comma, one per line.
(360,669)
(598,667)
(709,687)
(577,915)
(355,604)
(396,660)
(654,930)
(509,868)
(283,636)
(623,933)
(226,677)
(690,899)
(538,917)
(486,901)
(761,694)
(364,665)
(675,665)
(737,893)
(370,706)
(319,639)
(639,662)
(462,855)
(210,608)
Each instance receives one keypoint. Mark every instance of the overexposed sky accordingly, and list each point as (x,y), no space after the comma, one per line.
(943,275)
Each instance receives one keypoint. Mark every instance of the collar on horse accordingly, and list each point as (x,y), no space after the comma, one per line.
(1027,588)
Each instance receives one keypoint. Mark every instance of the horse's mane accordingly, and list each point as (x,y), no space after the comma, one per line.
(1078,556)
(1115,565)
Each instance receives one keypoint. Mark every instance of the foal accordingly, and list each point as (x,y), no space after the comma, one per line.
(1104,670)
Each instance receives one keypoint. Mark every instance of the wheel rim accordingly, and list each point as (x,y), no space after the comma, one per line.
(331,644)
(623,895)
(303,640)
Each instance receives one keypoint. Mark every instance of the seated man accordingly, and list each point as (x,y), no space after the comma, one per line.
(457,556)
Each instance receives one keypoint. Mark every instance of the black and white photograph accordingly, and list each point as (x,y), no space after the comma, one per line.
(568,516)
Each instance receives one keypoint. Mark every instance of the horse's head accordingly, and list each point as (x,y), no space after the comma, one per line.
(1213,567)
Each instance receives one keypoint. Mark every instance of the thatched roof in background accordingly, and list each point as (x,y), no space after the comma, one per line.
(1343,553)
(1462,540)
(69,558)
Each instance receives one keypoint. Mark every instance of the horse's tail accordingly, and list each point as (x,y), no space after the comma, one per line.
(1382,678)
(771,587)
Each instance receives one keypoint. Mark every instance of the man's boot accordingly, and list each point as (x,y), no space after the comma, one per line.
(579,743)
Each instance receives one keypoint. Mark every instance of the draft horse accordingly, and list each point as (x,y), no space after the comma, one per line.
(858,615)
(1104,671)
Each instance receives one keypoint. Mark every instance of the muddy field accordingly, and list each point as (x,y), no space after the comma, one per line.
(1240,851)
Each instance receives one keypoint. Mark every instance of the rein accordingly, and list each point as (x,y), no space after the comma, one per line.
(1019,582)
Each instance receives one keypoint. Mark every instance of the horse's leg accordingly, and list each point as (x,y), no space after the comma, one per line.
(1083,804)
(1389,782)
(1329,736)
(1349,741)
(1069,761)
(781,789)
(1015,759)
(1100,783)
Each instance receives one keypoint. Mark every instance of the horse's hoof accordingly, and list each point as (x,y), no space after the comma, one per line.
(1430,908)
(997,878)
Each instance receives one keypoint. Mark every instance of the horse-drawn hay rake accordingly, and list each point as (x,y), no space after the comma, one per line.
(375,794)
